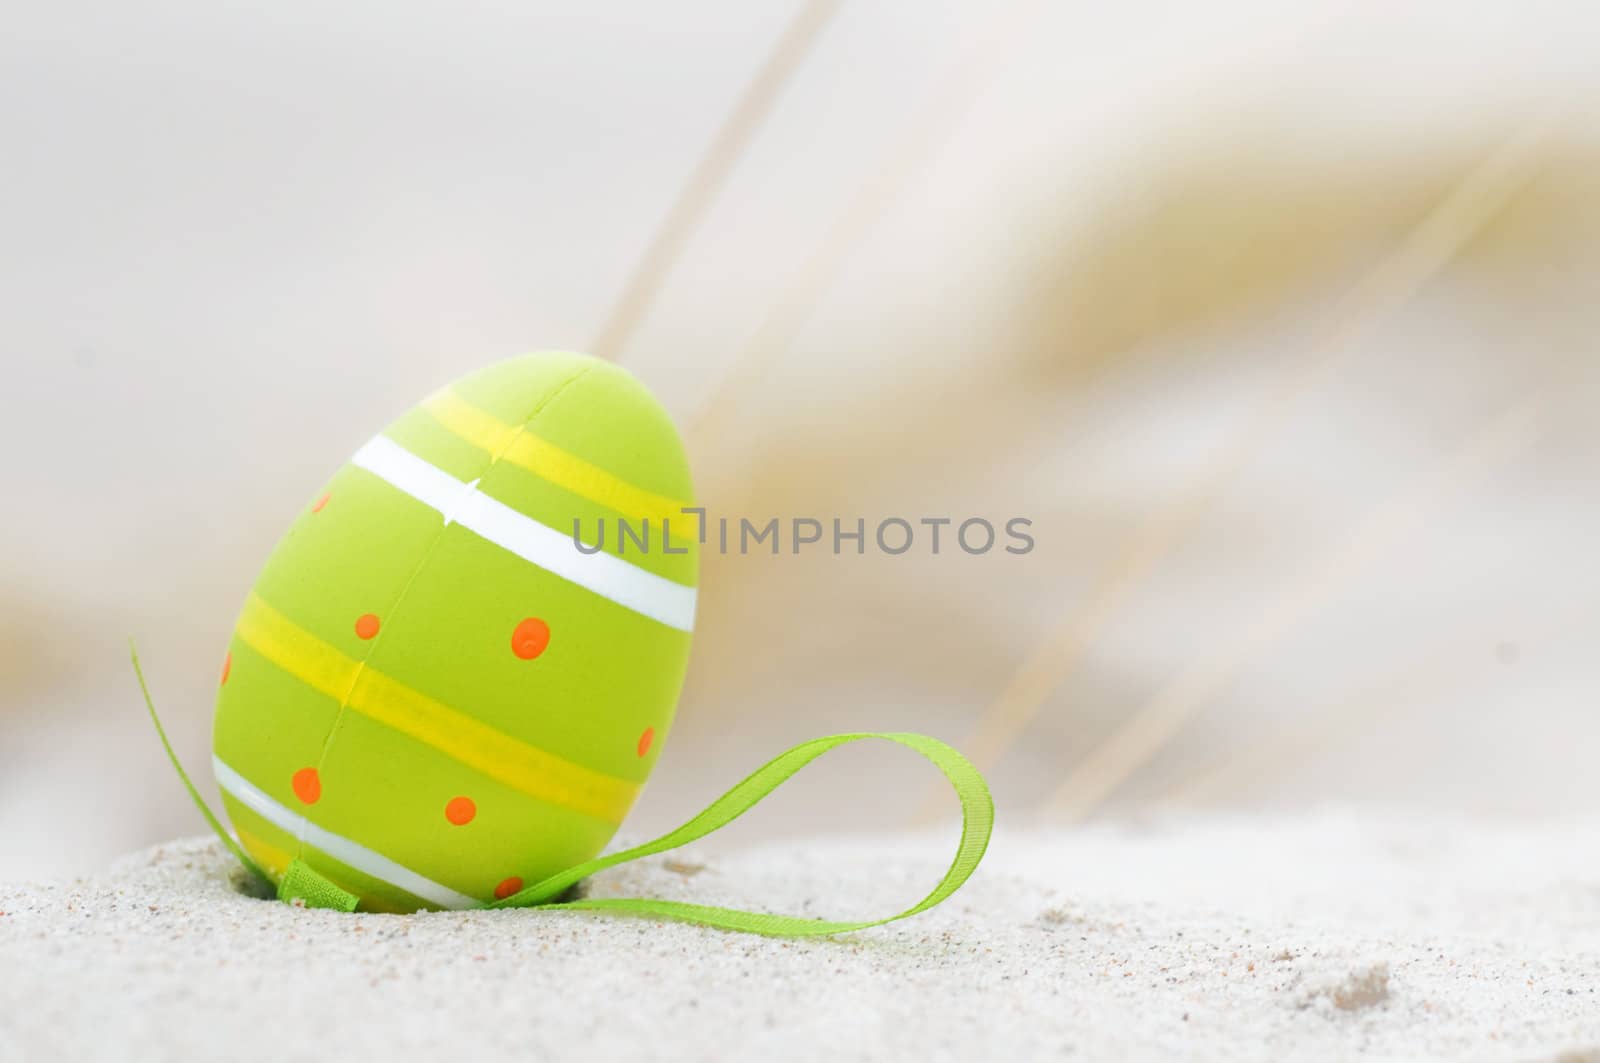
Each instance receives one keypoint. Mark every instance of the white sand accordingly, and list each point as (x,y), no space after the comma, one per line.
(1333,936)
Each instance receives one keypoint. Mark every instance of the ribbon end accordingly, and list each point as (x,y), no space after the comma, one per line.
(304,887)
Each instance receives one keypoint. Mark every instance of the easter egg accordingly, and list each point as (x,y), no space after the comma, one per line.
(458,667)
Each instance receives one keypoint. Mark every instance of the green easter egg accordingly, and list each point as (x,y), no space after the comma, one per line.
(432,696)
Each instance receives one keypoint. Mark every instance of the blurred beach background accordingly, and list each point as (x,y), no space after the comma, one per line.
(1278,321)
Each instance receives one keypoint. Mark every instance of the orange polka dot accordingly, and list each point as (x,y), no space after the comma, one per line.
(307,785)
(507,887)
(460,811)
(530,638)
(367,626)
(646,739)
(227,665)
(316,507)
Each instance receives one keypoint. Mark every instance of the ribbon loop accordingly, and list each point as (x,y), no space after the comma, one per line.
(977,812)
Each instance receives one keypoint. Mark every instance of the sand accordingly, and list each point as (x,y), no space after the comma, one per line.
(1335,935)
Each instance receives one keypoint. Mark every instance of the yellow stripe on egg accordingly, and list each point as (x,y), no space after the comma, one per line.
(517,446)
(272,859)
(535,772)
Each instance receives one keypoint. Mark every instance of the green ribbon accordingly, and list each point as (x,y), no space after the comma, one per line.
(977,821)
(304,885)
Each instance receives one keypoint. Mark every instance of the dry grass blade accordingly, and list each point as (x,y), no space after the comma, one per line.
(876,195)
(1150,728)
(709,176)
(1477,198)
